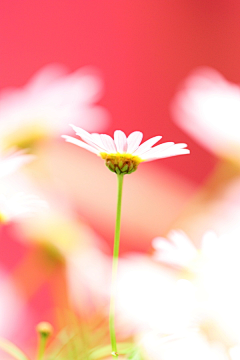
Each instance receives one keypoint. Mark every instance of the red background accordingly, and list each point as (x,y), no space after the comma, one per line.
(144,49)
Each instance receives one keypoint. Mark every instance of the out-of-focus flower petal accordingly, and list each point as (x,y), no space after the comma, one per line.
(13,160)
(19,205)
(183,346)
(178,250)
(48,102)
(207,106)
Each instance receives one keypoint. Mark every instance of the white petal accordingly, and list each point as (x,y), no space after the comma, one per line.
(85,135)
(101,144)
(81,132)
(147,145)
(120,141)
(176,149)
(108,143)
(180,152)
(180,145)
(161,244)
(12,161)
(156,242)
(96,139)
(133,140)
(80,143)
(210,243)
(167,153)
(170,258)
(156,150)
(183,243)
(89,138)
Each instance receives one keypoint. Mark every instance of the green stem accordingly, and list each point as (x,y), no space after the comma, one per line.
(114,268)
(41,347)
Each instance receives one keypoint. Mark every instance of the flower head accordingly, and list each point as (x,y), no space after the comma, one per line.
(43,107)
(214,272)
(44,329)
(123,154)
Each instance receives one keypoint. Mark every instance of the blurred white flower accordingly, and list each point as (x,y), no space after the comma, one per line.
(148,297)
(235,352)
(186,346)
(207,106)
(214,270)
(152,298)
(176,311)
(46,104)
(89,275)
(19,205)
(12,160)
(179,251)
(203,312)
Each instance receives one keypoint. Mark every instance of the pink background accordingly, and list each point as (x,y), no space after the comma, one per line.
(143,49)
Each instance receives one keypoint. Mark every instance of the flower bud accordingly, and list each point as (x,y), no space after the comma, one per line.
(44,329)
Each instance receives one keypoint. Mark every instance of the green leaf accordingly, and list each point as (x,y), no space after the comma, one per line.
(12,350)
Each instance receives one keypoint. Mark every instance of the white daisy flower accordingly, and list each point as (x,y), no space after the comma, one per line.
(179,251)
(44,106)
(214,272)
(123,154)
(208,104)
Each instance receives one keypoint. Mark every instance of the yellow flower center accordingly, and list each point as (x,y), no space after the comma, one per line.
(121,163)
(3,218)
(26,136)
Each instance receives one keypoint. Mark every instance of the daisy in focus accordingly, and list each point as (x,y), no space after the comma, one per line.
(123,154)
(207,106)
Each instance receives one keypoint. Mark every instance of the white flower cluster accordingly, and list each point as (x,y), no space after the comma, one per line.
(40,109)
